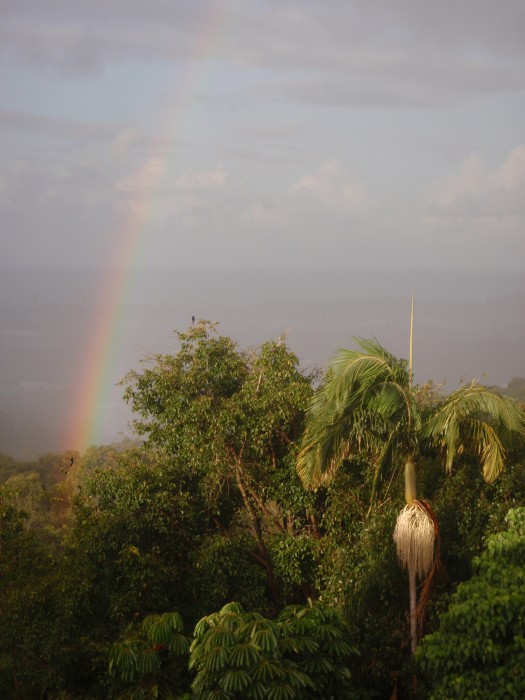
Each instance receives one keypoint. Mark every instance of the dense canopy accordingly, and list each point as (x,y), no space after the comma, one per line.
(194,563)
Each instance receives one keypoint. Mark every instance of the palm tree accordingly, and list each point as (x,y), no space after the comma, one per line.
(367,405)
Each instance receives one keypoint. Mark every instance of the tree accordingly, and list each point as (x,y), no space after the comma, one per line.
(367,405)
(479,648)
(32,633)
(25,493)
(152,657)
(227,419)
(300,654)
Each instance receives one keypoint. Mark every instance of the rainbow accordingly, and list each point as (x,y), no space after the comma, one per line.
(98,365)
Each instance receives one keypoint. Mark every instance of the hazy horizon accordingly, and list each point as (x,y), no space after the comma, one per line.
(467,325)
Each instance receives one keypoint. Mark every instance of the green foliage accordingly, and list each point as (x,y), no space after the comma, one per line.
(479,649)
(367,408)
(189,522)
(212,390)
(211,509)
(358,573)
(212,404)
(367,405)
(9,466)
(129,546)
(363,406)
(303,653)
(295,563)
(468,509)
(227,420)
(25,493)
(152,660)
(479,421)
(224,567)
(32,629)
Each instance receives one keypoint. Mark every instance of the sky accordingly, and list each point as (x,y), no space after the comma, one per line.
(318,136)
(263,133)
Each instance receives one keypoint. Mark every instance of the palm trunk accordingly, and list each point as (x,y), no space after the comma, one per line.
(410,481)
(415,536)
(410,497)
(413,607)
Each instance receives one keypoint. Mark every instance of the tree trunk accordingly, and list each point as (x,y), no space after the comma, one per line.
(410,497)
(413,607)
(256,531)
(410,481)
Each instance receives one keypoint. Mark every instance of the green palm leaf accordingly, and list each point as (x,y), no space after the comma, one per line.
(384,465)
(365,398)
(123,656)
(298,679)
(299,645)
(476,419)
(366,405)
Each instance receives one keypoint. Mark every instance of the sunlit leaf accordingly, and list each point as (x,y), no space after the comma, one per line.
(159,631)
(244,655)
(235,680)
(217,658)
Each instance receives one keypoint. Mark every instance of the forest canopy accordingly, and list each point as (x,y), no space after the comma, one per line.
(193,562)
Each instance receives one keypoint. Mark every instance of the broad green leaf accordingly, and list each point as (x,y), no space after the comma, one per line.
(174,620)
(244,655)
(235,680)
(179,644)
(266,670)
(148,662)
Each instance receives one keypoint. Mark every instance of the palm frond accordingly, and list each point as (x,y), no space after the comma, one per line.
(365,394)
(472,419)
(384,466)
(482,440)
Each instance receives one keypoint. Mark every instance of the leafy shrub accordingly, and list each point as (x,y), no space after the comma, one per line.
(300,654)
(152,660)
(479,649)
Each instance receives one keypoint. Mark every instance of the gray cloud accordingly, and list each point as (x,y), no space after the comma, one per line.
(57,127)
(197,134)
(376,53)
(478,191)
(249,176)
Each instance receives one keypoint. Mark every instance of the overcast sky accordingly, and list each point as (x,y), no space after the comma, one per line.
(365,136)
(285,132)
